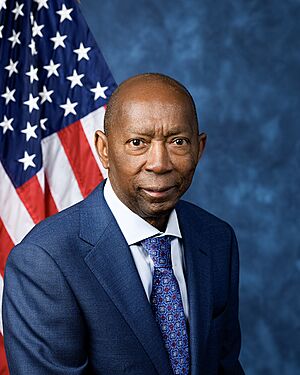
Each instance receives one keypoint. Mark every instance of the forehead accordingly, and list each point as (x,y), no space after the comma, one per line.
(154,102)
(159,91)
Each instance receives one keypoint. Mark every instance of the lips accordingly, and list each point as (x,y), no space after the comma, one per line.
(158,192)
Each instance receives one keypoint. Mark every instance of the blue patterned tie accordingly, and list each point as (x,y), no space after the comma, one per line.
(167,304)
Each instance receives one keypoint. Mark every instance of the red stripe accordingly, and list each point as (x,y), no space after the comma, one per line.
(3,363)
(81,158)
(6,244)
(32,196)
(50,206)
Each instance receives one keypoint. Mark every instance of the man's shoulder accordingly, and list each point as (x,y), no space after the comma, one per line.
(188,209)
(62,229)
(52,238)
(55,229)
(214,235)
(197,219)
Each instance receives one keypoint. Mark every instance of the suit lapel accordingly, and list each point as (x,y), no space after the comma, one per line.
(198,279)
(112,264)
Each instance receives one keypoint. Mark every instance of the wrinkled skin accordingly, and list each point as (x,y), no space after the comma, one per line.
(152,149)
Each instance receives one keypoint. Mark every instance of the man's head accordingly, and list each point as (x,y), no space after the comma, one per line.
(151,145)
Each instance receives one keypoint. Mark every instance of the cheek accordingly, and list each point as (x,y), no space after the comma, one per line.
(124,167)
(185,164)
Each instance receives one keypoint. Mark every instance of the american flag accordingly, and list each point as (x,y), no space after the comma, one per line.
(54,84)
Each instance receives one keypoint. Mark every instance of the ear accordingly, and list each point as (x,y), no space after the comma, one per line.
(101,144)
(201,144)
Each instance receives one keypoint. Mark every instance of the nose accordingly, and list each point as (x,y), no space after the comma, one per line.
(158,159)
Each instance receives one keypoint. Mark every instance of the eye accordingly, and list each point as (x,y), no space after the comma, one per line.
(180,141)
(136,142)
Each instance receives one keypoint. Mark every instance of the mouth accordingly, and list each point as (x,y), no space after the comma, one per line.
(156,192)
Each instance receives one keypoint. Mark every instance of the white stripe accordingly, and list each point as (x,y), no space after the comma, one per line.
(1,295)
(90,123)
(41,178)
(62,182)
(14,215)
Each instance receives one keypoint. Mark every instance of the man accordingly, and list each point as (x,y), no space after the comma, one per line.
(131,280)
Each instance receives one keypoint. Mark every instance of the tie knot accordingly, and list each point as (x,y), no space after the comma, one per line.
(159,249)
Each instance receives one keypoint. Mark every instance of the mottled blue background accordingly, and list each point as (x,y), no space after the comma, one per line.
(241,62)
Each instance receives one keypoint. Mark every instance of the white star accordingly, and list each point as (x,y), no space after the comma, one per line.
(82,52)
(1,28)
(75,79)
(12,67)
(32,74)
(42,123)
(32,103)
(9,95)
(32,47)
(69,107)
(65,13)
(42,3)
(18,10)
(29,131)
(46,95)
(52,69)
(59,40)
(2,4)
(31,18)
(6,124)
(99,91)
(36,29)
(15,38)
(27,160)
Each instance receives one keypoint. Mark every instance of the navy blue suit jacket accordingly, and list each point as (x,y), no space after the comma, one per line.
(74,303)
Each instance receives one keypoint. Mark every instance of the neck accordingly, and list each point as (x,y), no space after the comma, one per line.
(159,222)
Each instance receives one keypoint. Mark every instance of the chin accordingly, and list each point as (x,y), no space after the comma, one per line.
(158,209)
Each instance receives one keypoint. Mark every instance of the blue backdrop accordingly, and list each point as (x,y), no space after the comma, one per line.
(240,60)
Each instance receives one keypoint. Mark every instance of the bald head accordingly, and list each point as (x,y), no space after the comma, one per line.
(136,87)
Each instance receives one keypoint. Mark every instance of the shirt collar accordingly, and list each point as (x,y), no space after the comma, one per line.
(133,227)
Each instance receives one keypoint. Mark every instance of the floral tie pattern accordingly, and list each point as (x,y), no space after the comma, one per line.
(167,304)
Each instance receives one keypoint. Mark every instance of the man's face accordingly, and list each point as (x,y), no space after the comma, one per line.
(153,150)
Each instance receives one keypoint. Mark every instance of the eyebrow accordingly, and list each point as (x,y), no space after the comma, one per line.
(173,132)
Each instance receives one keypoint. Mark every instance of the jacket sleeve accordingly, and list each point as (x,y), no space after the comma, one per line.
(43,327)
(231,345)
